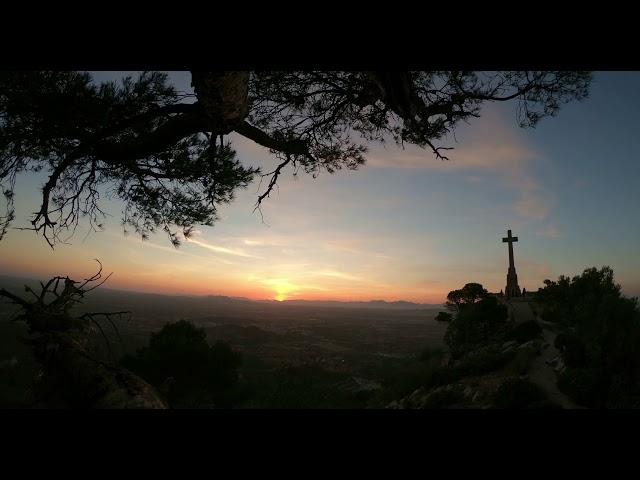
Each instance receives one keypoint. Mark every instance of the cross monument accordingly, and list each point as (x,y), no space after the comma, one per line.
(512,289)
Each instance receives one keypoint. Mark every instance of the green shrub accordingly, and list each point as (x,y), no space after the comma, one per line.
(518,393)
(185,368)
(483,361)
(599,337)
(476,325)
(307,386)
(409,378)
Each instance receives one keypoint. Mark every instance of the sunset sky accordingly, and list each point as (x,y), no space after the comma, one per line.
(406,225)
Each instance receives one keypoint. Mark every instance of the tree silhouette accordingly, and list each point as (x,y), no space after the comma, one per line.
(599,336)
(166,156)
(470,294)
(73,375)
(193,372)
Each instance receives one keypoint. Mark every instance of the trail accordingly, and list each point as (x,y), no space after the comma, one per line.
(540,372)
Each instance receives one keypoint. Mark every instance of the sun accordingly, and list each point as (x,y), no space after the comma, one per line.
(282,288)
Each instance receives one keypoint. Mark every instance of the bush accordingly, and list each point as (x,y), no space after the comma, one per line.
(182,365)
(444,317)
(600,337)
(476,325)
(519,393)
(409,377)
(480,362)
(525,331)
(584,386)
(306,386)
(573,350)
(522,361)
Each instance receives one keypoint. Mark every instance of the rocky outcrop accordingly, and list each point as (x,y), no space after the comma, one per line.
(71,373)
(72,377)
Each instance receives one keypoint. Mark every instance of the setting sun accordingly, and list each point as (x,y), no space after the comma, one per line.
(281,288)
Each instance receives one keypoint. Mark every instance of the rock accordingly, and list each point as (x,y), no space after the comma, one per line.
(468,391)
(534,345)
(552,362)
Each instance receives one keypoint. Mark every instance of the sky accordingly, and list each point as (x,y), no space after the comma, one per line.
(406,226)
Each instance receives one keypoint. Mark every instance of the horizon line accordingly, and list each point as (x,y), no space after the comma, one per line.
(272,300)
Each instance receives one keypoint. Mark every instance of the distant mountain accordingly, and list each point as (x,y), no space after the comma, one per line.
(369,304)
(16,284)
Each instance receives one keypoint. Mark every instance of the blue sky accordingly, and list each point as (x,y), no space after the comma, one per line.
(406,225)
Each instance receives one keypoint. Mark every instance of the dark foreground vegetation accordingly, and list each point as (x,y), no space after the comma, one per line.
(492,358)
(477,355)
(599,334)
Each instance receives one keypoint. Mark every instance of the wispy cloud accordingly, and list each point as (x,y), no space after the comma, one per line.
(218,249)
(492,148)
(549,232)
(340,275)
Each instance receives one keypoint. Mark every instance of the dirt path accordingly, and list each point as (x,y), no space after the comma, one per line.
(544,375)
(540,372)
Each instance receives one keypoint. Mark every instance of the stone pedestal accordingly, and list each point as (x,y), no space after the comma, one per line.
(512,289)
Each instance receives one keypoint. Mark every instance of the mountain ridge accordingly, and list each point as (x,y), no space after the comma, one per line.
(18,282)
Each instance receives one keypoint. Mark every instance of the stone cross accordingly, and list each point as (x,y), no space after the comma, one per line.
(512,290)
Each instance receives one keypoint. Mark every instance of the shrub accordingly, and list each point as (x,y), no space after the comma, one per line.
(180,363)
(522,361)
(410,377)
(477,324)
(573,350)
(601,334)
(584,386)
(444,317)
(480,362)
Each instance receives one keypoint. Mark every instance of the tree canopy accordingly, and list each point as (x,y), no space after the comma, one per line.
(470,294)
(167,156)
(599,337)
(180,361)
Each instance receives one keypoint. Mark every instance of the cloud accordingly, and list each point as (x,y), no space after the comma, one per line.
(340,275)
(549,232)
(491,147)
(217,249)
